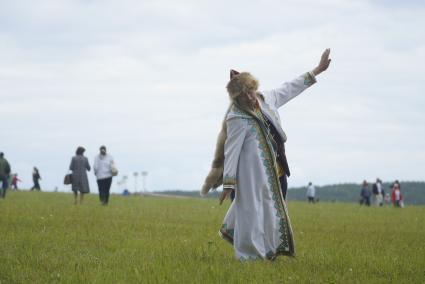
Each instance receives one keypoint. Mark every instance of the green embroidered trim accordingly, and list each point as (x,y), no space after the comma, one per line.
(308,79)
(229,180)
(227,233)
(270,255)
(268,163)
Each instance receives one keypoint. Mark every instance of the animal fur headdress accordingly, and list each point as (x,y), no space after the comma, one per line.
(239,83)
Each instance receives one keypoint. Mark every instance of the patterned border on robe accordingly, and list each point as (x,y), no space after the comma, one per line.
(287,245)
(226,233)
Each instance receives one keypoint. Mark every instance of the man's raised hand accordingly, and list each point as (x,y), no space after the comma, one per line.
(324,62)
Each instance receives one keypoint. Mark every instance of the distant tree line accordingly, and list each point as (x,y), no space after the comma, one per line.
(413,192)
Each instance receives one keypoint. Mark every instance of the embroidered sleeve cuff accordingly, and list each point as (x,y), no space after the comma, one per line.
(309,79)
(229,182)
(228,187)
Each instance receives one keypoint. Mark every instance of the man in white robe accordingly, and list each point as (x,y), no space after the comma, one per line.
(250,159)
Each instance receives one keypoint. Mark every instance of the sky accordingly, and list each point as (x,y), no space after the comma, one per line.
(147,79)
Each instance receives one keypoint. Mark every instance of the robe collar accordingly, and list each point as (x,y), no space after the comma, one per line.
(271,116)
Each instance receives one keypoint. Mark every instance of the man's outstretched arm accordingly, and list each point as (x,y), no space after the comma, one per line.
(289,90)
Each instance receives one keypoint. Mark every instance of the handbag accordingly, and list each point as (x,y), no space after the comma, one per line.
(114,170)
(67,179)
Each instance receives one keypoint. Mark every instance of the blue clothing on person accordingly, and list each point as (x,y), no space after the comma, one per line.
(365,196)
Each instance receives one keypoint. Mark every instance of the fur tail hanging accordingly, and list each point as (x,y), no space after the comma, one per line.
(215,177)
(213,180)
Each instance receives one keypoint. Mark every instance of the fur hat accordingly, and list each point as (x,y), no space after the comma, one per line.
(241,83)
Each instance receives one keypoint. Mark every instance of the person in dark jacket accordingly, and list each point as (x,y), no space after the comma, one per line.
(4,175)
(365,194)
(35,178)
(378,193)
(79,167)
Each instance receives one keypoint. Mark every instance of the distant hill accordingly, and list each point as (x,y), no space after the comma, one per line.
(413,192)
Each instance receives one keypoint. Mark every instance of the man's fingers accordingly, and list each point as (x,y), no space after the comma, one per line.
(328,63)
(325,60)
(223,196)
(326,53)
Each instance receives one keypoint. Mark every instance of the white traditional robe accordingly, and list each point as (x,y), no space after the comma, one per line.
(257,222)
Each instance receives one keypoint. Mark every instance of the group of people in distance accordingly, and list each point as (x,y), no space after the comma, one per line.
(379,196)
(104,169)
(11,180)
(36,177)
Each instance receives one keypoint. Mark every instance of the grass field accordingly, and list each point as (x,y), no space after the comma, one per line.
(47,239)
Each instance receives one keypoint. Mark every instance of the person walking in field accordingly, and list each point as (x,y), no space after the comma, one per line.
(35,178)
(79,167)
(4,175)
(396,182)
(378,193)
(250,159)
(15,181)
(396,196)
(365,194)
(103,169)
(311,193)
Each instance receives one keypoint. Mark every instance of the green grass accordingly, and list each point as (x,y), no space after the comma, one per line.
(47,239)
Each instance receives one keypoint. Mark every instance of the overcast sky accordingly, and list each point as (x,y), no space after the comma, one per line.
(147,79)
